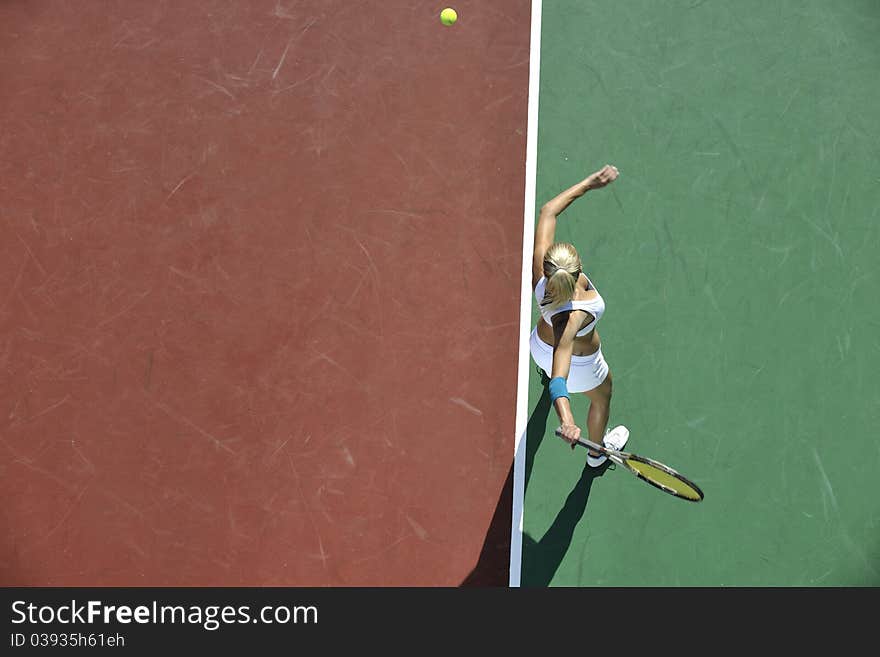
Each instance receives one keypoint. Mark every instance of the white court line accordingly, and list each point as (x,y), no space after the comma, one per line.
(525,316)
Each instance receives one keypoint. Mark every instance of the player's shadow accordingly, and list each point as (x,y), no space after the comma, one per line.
(541,558)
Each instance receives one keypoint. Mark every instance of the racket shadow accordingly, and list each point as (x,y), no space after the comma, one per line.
(544,555)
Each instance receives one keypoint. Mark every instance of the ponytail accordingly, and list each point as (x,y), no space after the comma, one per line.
(562,266)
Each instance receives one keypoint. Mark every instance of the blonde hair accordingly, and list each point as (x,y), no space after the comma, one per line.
(562,266)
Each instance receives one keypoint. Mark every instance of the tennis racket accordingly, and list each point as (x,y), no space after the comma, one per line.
(653,472)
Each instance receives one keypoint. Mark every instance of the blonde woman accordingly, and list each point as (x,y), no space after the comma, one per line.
(565,343)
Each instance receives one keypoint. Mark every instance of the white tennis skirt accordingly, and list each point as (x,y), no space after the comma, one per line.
(586,373)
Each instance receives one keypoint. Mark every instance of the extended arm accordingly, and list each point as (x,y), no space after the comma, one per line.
(545,233)
(565,327)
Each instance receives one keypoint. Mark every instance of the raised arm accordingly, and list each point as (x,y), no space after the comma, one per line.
(545,233)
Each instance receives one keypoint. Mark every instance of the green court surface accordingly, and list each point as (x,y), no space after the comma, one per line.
(738,257)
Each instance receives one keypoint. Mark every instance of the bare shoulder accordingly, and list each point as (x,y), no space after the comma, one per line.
(537,268)
(585,290)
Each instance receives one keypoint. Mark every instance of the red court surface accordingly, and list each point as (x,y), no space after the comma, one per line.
(259,324)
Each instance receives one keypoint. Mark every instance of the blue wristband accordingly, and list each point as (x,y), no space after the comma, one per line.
(558,388)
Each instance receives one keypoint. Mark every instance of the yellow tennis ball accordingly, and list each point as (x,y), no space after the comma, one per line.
(448,16)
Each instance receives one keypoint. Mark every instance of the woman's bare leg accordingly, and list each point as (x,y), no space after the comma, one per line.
(600,410)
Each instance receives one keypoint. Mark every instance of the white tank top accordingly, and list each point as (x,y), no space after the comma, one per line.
(596,307)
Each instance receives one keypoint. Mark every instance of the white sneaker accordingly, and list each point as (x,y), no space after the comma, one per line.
(614,439)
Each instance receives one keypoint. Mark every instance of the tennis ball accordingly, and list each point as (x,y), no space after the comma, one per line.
(448,16)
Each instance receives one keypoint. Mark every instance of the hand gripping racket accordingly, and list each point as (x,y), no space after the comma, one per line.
(648,470)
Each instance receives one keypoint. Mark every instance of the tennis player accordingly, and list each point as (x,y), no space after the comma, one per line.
(565,343)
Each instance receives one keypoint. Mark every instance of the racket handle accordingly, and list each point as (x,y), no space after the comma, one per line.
(585,443)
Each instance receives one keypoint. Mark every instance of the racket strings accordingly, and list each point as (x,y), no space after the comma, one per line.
(667,479)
